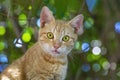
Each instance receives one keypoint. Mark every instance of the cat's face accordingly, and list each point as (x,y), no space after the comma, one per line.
(58,37)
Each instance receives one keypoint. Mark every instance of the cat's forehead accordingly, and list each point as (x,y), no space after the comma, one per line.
(61,26)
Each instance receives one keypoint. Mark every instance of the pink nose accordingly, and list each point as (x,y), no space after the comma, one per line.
(56,46)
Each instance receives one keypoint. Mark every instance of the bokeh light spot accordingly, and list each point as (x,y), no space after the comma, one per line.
(29,30)
(18,43)
(29,7)
(77,45)
(2,30)
(22,19)
(2,67)
(85,67)
(113,66)
(102,60)
(3,58)
(88,23)
(117,27)
(2,45)
(96,43)
(38,22)
(96,50)
(92,57)
(91,4)
(85,47)
(103,51)
(26,37)
(106,65)
(118,74)
(96,57)
(96,67)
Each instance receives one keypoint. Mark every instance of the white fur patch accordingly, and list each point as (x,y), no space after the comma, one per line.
(64,50)
(14,72)
(4,78)
(46,48)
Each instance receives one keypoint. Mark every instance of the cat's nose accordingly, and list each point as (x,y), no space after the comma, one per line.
(56,46)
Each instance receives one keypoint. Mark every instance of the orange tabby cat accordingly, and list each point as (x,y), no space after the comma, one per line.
(47,58)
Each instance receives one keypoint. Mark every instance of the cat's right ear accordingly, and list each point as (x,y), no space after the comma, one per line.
(46,16)
(77,24)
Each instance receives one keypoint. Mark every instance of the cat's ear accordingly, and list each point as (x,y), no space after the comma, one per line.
(46,16)
(77,24)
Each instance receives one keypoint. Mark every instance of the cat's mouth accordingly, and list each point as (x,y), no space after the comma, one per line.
(55,51)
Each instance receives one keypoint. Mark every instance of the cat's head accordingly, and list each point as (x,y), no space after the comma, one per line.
(58,37)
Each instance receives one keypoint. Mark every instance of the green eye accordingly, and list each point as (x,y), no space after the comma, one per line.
(66,38)
(50,35)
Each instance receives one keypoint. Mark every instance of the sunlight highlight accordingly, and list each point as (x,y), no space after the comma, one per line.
(96,50)
(4,78)
(18,42)
(14,72)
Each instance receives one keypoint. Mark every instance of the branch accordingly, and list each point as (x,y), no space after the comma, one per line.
(8,9)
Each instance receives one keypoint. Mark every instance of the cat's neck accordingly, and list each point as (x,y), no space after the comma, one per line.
(54,60)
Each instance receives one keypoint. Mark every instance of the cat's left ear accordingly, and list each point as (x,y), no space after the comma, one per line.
(46,16)
(77,24)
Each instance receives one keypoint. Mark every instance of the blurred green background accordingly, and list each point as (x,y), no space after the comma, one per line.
(96,55)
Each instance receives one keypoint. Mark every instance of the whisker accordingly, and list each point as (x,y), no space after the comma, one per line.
(73,59)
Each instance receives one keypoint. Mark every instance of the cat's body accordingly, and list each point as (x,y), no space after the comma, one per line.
(35,65)
(47,58)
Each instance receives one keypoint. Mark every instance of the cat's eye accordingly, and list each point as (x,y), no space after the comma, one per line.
(50,35)
(66,38)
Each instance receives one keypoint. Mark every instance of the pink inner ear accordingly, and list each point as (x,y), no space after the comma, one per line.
(43,19)
(45,16)
(77,24)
